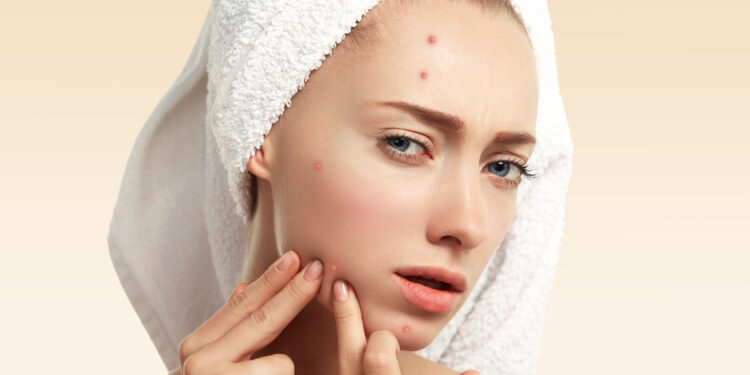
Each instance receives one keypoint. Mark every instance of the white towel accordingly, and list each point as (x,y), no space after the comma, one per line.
(178,227)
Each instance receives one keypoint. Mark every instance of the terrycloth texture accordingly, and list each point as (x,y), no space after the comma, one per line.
(178,228)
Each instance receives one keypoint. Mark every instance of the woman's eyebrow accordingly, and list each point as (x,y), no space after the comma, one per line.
(454,123)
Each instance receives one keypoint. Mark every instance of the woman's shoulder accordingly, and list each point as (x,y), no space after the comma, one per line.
(414,364)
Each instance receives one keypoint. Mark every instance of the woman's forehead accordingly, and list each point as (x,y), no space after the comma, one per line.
(478,67)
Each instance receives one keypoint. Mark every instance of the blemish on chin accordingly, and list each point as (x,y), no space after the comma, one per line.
(317,165)
(406,329)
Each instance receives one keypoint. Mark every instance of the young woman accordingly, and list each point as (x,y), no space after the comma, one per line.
(388,185)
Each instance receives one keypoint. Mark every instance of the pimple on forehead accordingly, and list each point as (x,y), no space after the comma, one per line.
(430,39)
(317,165)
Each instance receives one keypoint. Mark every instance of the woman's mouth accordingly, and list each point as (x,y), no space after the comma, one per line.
(432,283)
(427,294)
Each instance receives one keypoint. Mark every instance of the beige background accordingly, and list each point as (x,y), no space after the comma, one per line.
(653,276)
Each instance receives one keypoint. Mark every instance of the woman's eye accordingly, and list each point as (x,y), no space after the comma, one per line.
(402,144)
(505,169)
(406,148)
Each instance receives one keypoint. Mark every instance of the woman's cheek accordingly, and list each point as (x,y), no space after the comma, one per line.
(357,219)
(359,199)
(328,209)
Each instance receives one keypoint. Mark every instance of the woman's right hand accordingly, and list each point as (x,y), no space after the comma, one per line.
(253,318)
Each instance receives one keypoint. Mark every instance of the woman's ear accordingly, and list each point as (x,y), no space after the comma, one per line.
(258,163)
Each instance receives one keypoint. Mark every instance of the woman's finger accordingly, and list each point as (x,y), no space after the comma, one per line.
(240,287)
(470,372)
(241,304)
(264,324)
(349,329)
(381,354)
(274,364)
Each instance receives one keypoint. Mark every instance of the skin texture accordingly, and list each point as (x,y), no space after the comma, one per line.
(330,189)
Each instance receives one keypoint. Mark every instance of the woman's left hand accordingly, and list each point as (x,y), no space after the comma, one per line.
(376,355)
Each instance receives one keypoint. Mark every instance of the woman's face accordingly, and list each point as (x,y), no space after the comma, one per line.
(367,206)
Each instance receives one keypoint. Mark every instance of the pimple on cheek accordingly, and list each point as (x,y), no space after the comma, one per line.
(423,75)
(333,267)
(406,328)
(317,165)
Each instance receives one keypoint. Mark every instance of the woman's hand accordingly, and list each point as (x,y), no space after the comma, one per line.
(253,318)
(376,355)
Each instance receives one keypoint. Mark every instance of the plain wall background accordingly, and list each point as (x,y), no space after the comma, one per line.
(653,275)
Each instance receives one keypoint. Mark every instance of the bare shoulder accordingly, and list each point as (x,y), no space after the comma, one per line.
(414,364)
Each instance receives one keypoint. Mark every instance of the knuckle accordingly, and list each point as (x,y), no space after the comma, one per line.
(283,364)
(297,290)
(344,314)
(378,359)
(241,303)
(385,336)
(262,321)
(381,351)
(186,348)
(266,280)
(349,358)
(194,365)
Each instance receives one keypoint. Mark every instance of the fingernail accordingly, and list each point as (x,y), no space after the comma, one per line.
(285,261)
(339,291)
(314,272)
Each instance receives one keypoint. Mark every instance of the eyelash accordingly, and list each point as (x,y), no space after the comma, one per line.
(525,171)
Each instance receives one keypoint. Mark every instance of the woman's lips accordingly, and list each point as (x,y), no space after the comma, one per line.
(456,280)
(426,298)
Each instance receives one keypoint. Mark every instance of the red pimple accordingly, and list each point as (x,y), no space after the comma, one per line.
(431,39)
(317,165)
(333,267)
(423,75)
(405,329)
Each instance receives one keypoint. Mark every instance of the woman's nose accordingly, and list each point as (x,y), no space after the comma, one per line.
(459,213)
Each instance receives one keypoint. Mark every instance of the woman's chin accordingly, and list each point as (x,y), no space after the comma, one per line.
(410,344)
(412,332)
